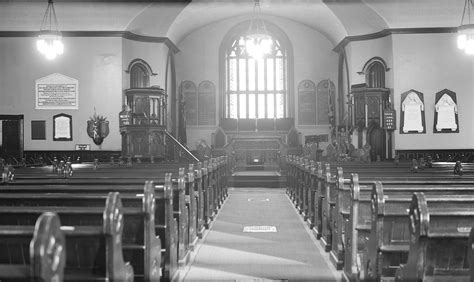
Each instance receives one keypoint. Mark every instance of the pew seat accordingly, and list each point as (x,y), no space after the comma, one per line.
(28,260)
(440,248)
(90,233)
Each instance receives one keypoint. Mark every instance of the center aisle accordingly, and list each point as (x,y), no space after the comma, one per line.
(229,253)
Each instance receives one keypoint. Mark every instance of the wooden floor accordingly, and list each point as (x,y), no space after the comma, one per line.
(227,253)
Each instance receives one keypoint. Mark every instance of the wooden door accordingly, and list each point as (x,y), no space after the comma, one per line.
(376,138)
(12,136)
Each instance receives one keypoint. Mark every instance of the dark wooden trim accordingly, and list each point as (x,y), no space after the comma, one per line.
(32,156)
(12,117)
(372,60)
(106,33)
(464,155)
(390,31)
(140,61)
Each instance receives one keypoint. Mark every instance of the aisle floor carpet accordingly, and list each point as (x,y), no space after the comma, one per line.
(227,253)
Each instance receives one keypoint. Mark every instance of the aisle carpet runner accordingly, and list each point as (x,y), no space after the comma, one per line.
(258,236)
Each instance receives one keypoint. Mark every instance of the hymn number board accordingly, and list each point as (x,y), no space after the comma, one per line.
(389,119)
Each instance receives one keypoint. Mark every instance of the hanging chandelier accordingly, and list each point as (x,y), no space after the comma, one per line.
(49,42)
(466,30)
(257,41)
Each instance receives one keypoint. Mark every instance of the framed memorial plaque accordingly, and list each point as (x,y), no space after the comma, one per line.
(189,94)
(62,127)
(206,103)
(446,112)
(307,103)
(412,113)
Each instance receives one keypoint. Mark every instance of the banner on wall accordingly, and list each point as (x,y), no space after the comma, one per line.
(57,91)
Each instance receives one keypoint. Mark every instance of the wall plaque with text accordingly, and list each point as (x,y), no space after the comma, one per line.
(62,127)
(57,91)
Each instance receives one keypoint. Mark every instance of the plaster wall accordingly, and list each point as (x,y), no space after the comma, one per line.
(95,62)
(152,53)
(155,55)
(199,60)
(362,51)
(430,63)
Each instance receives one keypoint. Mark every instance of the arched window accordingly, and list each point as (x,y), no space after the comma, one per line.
(255,88)
(376,75)
(140,72)
(374,71)
(139,77)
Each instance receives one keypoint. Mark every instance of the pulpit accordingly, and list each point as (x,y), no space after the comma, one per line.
(143,123)
(369,105)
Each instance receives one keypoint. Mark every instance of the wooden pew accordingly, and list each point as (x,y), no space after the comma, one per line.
(141,246)
(131,186)
(199,192)
(439,241)
(370,261)
(211,183)
(315,170)
(84,181)
(389,239)
(182,216)
(85,241)
(370,171)
(35,253)
(341,210)
(166,215)
(167,228)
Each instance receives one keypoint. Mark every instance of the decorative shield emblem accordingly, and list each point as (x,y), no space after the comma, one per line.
(104,128)
(91,128)
(98,129)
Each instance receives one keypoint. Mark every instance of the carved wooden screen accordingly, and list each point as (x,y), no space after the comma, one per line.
(325,101)
(412,113)
(188,92)
(206,103)
(446,112)
(307,102)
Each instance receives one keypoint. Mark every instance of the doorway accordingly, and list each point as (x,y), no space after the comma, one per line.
(11,131)
(376,139)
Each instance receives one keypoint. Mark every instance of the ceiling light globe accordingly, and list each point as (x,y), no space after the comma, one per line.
(41,46)
(469,47)
(50,54)
(58,46)
(462,40)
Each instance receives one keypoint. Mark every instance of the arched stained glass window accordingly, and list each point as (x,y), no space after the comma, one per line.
(255,88)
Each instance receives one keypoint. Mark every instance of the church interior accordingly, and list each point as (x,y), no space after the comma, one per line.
(236,140)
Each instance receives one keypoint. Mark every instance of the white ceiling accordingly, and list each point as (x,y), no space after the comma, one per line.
(175,19)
